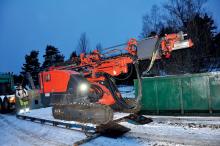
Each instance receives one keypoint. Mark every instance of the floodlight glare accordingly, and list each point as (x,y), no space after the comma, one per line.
(83,87)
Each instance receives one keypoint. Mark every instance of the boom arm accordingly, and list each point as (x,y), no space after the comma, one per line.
(98,71)
(172,42)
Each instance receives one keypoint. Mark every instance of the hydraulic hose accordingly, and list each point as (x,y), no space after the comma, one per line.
(119,100)
(154,55)
(114,90)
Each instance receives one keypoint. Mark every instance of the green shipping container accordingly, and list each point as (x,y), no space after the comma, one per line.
(181,94)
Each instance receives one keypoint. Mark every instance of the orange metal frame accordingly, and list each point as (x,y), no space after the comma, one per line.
(114,66)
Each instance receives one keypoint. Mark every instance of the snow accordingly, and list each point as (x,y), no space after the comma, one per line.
(173,134)
(162,131)
(16,132)
(127,91)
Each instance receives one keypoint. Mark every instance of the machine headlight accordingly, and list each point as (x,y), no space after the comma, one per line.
(83,87)
(12,99)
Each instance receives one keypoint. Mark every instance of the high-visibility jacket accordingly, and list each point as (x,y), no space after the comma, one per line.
(23,103)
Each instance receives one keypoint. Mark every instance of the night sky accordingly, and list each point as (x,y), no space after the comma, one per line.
(32,24)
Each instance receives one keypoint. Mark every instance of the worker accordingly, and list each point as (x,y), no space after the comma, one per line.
(22,97)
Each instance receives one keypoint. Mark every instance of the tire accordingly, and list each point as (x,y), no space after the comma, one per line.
(1,108)
(5,105)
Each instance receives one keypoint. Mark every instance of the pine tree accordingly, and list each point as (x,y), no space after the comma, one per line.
(73,54)
(74,59)
(217,44)
(52,57)
(32,66)
(201,29)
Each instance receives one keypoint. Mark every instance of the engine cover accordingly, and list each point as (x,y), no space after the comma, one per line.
(62,87)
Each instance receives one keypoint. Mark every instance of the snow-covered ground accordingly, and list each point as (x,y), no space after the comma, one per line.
(162,131)
(126,91)
(15,132)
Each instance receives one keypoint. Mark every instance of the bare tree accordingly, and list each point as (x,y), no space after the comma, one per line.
(99,47)
(152,22)
(191,17)
(182,11)
(83,44)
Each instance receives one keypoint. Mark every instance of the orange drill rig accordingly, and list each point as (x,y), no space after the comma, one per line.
(87,93)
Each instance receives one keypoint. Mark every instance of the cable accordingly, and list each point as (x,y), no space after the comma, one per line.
(98,93)
(154,55)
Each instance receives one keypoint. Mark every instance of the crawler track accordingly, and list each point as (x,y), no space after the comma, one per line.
(92,131)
